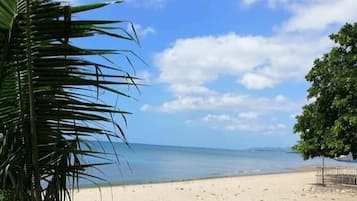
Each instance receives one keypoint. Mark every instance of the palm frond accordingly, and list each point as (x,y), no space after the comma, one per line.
(49,95)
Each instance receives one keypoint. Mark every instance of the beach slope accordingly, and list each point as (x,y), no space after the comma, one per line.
(295,186)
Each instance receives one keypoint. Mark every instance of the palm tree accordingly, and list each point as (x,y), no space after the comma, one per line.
(49,96)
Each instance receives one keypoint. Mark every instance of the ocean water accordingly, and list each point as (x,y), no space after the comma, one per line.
(153,163)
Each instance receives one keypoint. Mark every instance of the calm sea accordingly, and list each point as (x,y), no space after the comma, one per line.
(152,163)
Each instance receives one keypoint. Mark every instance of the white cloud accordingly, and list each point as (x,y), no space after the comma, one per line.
(248,115)
(141,30)
(280,98)
(190,65)
(187,90)
(313,15)
(311,100)
(145,77)
(147,30)
(319,14)
(224,102)
(258,62)
(256,81)
(242,123)
(222,117)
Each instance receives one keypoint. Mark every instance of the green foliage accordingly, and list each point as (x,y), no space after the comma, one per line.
(328,125)
(49,96)
(6,196)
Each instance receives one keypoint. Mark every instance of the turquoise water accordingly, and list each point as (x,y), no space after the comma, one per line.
(152,163)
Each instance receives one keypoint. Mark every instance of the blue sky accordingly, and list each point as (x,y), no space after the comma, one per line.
(223,74)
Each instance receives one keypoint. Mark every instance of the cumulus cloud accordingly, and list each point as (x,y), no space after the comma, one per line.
(242,122)
(319,14)
(248,115)
(189,65)
(224,102)
(256,81)
(181,89)
(145,77)
(257,62)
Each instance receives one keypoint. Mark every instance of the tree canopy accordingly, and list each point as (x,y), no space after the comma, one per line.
(328,124)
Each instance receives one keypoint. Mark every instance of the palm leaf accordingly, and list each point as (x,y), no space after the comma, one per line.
(49,96)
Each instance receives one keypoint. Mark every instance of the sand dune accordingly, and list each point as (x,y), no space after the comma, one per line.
(295,186)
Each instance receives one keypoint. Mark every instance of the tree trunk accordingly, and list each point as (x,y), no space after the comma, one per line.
(36,190)
(323,171)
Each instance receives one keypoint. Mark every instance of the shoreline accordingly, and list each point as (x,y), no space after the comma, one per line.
(289,170)
(307,168)
(298,185)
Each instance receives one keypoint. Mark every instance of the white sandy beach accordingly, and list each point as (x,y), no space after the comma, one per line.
(295,186)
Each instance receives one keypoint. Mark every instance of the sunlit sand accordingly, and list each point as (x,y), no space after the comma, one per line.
(294,186)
